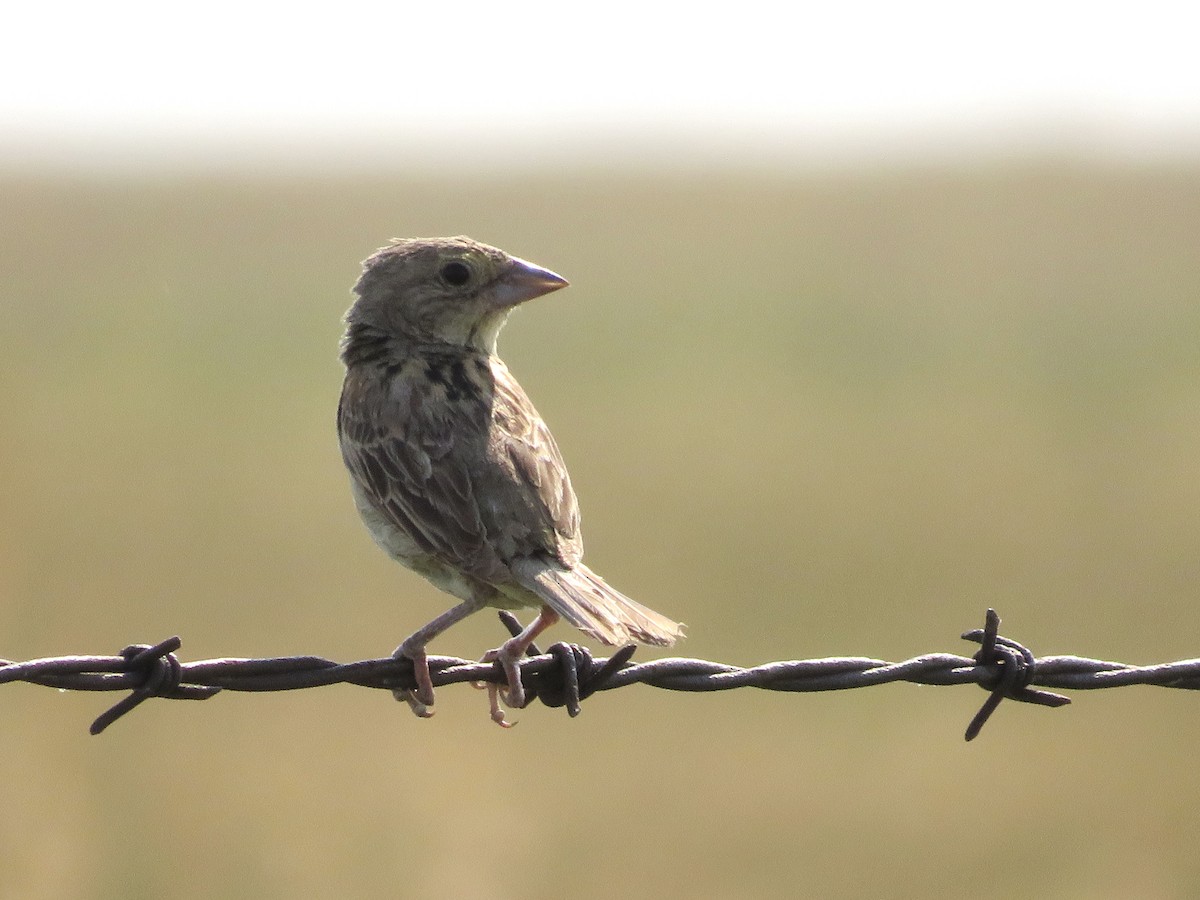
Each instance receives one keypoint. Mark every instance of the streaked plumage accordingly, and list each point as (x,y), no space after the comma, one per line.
(453,471)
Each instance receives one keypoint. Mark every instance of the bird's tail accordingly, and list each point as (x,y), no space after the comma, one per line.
(585,600)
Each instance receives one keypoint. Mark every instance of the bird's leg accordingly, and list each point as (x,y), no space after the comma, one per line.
(413,648)
(508,654)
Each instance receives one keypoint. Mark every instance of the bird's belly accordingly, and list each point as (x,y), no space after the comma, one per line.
(396,542)
(399,545)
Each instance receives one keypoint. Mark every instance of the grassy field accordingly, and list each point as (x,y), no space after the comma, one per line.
(809,414)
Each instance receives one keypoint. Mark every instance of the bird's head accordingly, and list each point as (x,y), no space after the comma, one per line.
(445,290)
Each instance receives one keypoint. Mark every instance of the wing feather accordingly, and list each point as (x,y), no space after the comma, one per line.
(464,466)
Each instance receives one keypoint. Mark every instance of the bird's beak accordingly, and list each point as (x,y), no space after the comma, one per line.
(523,281)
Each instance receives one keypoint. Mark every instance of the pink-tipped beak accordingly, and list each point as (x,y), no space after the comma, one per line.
(523,281)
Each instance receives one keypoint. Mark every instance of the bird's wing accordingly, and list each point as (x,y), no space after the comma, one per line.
(461,463)
(522,439)
(403,443)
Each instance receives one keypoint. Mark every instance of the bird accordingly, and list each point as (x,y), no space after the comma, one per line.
(452,469)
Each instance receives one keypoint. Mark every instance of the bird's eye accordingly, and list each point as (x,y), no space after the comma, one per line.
(456,274)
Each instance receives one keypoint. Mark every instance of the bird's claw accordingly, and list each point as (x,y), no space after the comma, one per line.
(514,696)
(419,699)
(420,709)
(497,711)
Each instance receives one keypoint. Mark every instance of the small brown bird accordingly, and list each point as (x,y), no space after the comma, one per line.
(453,471)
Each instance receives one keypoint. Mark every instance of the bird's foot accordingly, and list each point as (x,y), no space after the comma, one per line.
(507,654)
(420,699)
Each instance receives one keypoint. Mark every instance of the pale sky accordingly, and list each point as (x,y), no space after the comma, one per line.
(141,78)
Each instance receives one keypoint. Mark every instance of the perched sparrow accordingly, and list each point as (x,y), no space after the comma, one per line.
(453,471)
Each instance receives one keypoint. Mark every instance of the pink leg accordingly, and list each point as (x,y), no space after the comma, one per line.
(508,655)
(413,647)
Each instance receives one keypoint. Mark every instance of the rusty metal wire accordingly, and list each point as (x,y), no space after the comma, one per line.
(568,674)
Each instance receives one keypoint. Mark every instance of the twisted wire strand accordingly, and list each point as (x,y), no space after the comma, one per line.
(567,673)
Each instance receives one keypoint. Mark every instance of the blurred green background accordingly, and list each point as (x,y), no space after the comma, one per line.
(810,413)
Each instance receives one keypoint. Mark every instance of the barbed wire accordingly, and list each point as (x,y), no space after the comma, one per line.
(567,674)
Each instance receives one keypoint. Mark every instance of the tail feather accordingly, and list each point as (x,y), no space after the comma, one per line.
(585,600)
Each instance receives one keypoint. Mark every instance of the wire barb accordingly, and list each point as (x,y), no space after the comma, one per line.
(160,671)
(568,674)
(1015,667)
(577,676)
